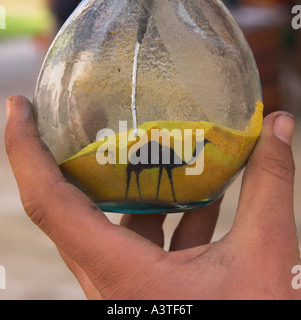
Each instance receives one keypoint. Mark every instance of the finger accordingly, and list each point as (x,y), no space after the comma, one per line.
(148,226)
(196,227)
(88,287)
(104,251)
(265,215)
(23,145)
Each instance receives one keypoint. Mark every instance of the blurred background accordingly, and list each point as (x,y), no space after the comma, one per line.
(34,269)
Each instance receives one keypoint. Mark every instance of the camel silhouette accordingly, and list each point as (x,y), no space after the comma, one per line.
(154,155)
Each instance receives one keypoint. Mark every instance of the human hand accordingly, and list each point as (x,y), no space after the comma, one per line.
(253,261)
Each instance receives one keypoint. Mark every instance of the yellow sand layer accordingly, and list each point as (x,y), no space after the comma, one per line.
(224,156)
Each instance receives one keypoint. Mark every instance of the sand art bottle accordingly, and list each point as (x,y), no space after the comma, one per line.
(150,106)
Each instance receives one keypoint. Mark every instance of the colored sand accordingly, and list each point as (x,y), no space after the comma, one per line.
(225,155)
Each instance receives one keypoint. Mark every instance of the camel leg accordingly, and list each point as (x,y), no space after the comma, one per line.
(138,184)
(169,173)
(128,181)
(159,181)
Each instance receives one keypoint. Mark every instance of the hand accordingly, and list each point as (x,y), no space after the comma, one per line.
(253,261)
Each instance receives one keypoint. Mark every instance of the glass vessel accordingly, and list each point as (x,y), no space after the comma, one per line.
(150,106)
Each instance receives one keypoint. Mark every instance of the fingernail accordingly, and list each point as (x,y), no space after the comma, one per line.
(8,107)
(284,127)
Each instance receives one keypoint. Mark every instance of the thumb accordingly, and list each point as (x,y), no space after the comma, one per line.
(265,213)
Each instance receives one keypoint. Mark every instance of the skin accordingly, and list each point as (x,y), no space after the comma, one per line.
(253,261)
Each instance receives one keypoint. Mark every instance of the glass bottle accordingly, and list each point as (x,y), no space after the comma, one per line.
(150,106)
